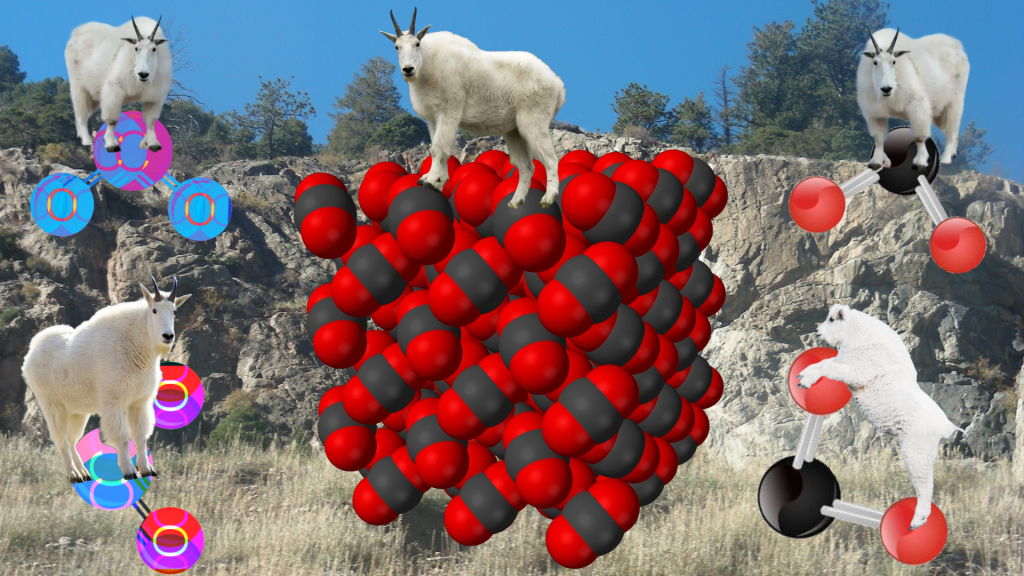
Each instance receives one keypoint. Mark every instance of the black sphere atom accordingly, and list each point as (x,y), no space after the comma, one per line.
(900,147)
(791,500)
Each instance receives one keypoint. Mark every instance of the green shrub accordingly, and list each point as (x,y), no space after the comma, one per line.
(30,292)
(8,316)
(9,249)
(243,423)
(40,265)
(71,155)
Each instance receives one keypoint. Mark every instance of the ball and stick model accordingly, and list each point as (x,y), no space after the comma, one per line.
(799,496)
(169,540)
(62,204)
(957,245)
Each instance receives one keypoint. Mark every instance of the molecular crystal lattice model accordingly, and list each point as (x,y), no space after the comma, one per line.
(957,245)
(799,496)
(535,356)
(62,204)
(170,540)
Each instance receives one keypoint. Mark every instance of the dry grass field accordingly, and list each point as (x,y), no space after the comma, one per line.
(286,512)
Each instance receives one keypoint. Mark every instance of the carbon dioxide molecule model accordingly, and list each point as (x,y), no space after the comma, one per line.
(169,540)
(62,204)
(544,357)
(799,496)
(957,244)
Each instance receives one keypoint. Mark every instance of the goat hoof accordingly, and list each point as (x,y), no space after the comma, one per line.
(132,476)
(874,165)
(150,473)
(920,167)
(113,148)
(155,148)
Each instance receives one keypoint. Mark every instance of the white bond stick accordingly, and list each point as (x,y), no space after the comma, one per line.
(804,444)
(812,443)
(858,509)
(930,200)
(851,513)
(859,183)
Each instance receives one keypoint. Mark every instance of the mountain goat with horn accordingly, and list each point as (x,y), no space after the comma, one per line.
(109,365)
(109,67)
(454,84)
(923,81)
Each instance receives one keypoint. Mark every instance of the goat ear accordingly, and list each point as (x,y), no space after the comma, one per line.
(868,54)
(181,300)
(422,33)
(146,294)
(901,53)
(391,37)
(132,40)
(160,41)
(839,314)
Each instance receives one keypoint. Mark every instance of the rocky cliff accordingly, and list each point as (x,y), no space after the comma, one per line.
(243,329)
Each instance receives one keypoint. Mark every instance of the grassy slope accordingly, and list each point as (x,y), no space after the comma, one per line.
(282,512)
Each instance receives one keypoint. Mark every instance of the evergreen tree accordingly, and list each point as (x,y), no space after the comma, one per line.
(10,69)
(401,132)
(695,125)
(971,151)
(291,139)
(370,101)
(274,106)
(797,95)
(639,106)
(833,41)
(35,114)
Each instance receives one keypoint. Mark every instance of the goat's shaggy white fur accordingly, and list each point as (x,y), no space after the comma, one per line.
(454,84)
(927,81)
(109,365)
(109,67)
(875,364)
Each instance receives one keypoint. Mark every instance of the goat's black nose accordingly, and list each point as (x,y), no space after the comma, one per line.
(886,89)
(168,337)
(143,75)
(407,69)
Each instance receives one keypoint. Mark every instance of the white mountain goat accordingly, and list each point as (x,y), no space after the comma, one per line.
(454,84)
(875,364)
(109,365)
(923,81)
(109,67)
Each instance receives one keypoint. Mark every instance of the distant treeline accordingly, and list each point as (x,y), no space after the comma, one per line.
(796,96)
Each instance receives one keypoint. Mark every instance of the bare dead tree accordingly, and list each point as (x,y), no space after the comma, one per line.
(725,117)
(182,62)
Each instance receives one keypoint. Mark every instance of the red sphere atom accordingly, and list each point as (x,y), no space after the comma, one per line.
(957,245)
(826,395)
(917,546)
(817,204)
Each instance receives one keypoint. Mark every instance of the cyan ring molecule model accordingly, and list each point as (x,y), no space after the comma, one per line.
(62,204)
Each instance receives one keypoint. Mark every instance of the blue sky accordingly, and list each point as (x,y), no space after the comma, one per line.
(675,48)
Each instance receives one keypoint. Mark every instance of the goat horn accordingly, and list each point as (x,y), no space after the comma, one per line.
(137,33)
(156,290)
(174,289)
(412,27)
(398,30)
(155,28)
(877,49)
(893,45)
